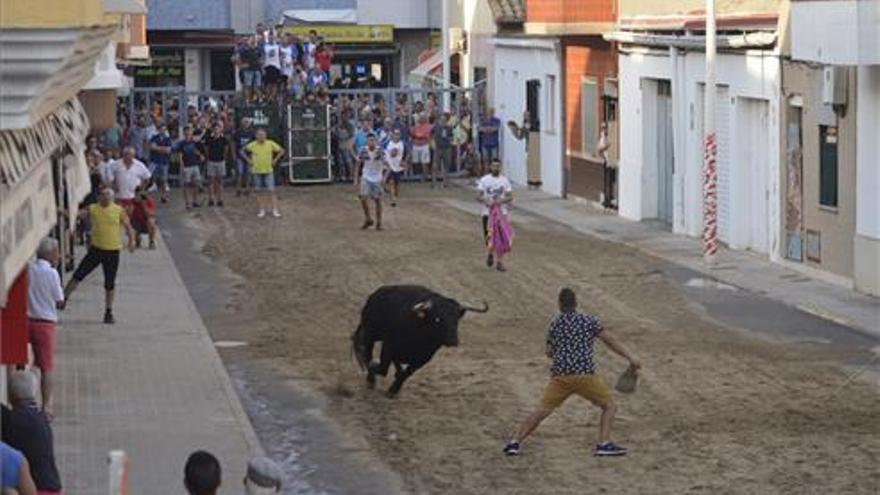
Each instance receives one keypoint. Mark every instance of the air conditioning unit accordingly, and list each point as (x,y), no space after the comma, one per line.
(834,85)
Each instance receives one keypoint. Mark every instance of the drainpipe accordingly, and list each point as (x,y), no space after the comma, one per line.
(677,100)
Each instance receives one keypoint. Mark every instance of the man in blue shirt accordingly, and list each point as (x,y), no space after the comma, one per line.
(360,136)
(570,342)
(489,127)
(15,474)
(192,154)
(161,146)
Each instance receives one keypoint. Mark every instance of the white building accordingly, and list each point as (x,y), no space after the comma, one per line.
(662,83)
(522,63)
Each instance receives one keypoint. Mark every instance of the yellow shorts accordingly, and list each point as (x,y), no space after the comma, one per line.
(590,387)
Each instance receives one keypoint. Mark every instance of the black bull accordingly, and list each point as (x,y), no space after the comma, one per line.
(412,322)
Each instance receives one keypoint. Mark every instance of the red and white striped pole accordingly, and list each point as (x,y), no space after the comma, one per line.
(710,172)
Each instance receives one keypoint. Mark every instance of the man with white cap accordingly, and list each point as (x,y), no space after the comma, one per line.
(263,477)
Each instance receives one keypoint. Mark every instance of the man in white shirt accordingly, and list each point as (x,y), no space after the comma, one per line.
(45,296)
(370,178)
(309,48)
(493,188)
(394,154)
(272,66)
(128,174)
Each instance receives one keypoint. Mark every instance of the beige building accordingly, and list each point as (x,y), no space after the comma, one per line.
(830,140)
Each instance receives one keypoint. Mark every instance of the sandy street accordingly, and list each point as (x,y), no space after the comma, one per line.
(719,410)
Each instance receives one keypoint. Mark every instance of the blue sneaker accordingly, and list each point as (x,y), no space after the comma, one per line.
(512,448)
(609,449)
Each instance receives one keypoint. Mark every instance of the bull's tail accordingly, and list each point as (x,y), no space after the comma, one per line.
(359,347)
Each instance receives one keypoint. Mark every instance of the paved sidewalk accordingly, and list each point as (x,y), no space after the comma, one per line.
(152,385)
(746,270)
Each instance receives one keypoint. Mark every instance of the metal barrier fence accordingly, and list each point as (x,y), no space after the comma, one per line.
(466,105)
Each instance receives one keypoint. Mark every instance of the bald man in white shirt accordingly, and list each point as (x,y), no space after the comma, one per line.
(45,296)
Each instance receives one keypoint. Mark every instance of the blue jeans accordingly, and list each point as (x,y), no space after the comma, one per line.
(252,78)
(264,181)
(489,153)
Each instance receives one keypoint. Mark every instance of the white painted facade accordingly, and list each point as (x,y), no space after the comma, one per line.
(518,60)
(842,32)
(403,14)
(867,240)
(748,142)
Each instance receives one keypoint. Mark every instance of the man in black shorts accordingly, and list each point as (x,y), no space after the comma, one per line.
(107,218)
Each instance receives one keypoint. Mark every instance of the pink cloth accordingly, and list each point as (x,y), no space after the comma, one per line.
(500,232)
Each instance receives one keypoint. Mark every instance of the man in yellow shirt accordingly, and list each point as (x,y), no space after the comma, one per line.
(262,156)
(107,218)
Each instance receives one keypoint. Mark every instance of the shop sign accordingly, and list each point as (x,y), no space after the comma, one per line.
(347,33)
(165,63)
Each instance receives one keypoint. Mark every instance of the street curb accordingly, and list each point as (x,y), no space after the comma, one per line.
(817,312)
(254,446)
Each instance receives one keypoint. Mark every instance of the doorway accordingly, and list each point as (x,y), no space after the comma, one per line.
(752,153)
(665,152)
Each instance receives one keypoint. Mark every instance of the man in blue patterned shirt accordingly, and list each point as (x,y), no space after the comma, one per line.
(570,345)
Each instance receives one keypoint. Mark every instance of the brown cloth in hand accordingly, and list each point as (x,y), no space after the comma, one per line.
(627,382)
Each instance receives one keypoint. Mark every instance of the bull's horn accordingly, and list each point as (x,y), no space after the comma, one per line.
(484,309)
(423,306)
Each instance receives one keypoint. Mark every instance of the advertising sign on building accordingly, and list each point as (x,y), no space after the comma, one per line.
(166,69)
(344,33)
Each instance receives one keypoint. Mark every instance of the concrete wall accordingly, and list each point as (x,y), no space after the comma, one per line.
(188,14)
(845,32)
(867,239)
(516,61)
(636,8)
(835,225)
(244,15)
(404,14)
(750,77)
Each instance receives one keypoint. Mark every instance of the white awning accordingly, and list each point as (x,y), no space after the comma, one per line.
(322,16)
(27,191)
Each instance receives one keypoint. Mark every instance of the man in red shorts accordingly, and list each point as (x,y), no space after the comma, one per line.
(45,296)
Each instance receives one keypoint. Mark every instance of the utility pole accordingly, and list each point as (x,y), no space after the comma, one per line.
(444,51)
(710,150)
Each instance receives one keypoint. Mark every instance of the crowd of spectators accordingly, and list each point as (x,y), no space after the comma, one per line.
(435,141)
(274,66)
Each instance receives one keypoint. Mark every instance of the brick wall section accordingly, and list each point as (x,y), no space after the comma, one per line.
(588,57)
(593,57)
(570,10)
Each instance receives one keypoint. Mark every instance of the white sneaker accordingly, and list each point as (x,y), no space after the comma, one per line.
(261,214)
(276,214)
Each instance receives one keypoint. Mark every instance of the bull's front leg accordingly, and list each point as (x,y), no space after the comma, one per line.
(404,371)
(380,368)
